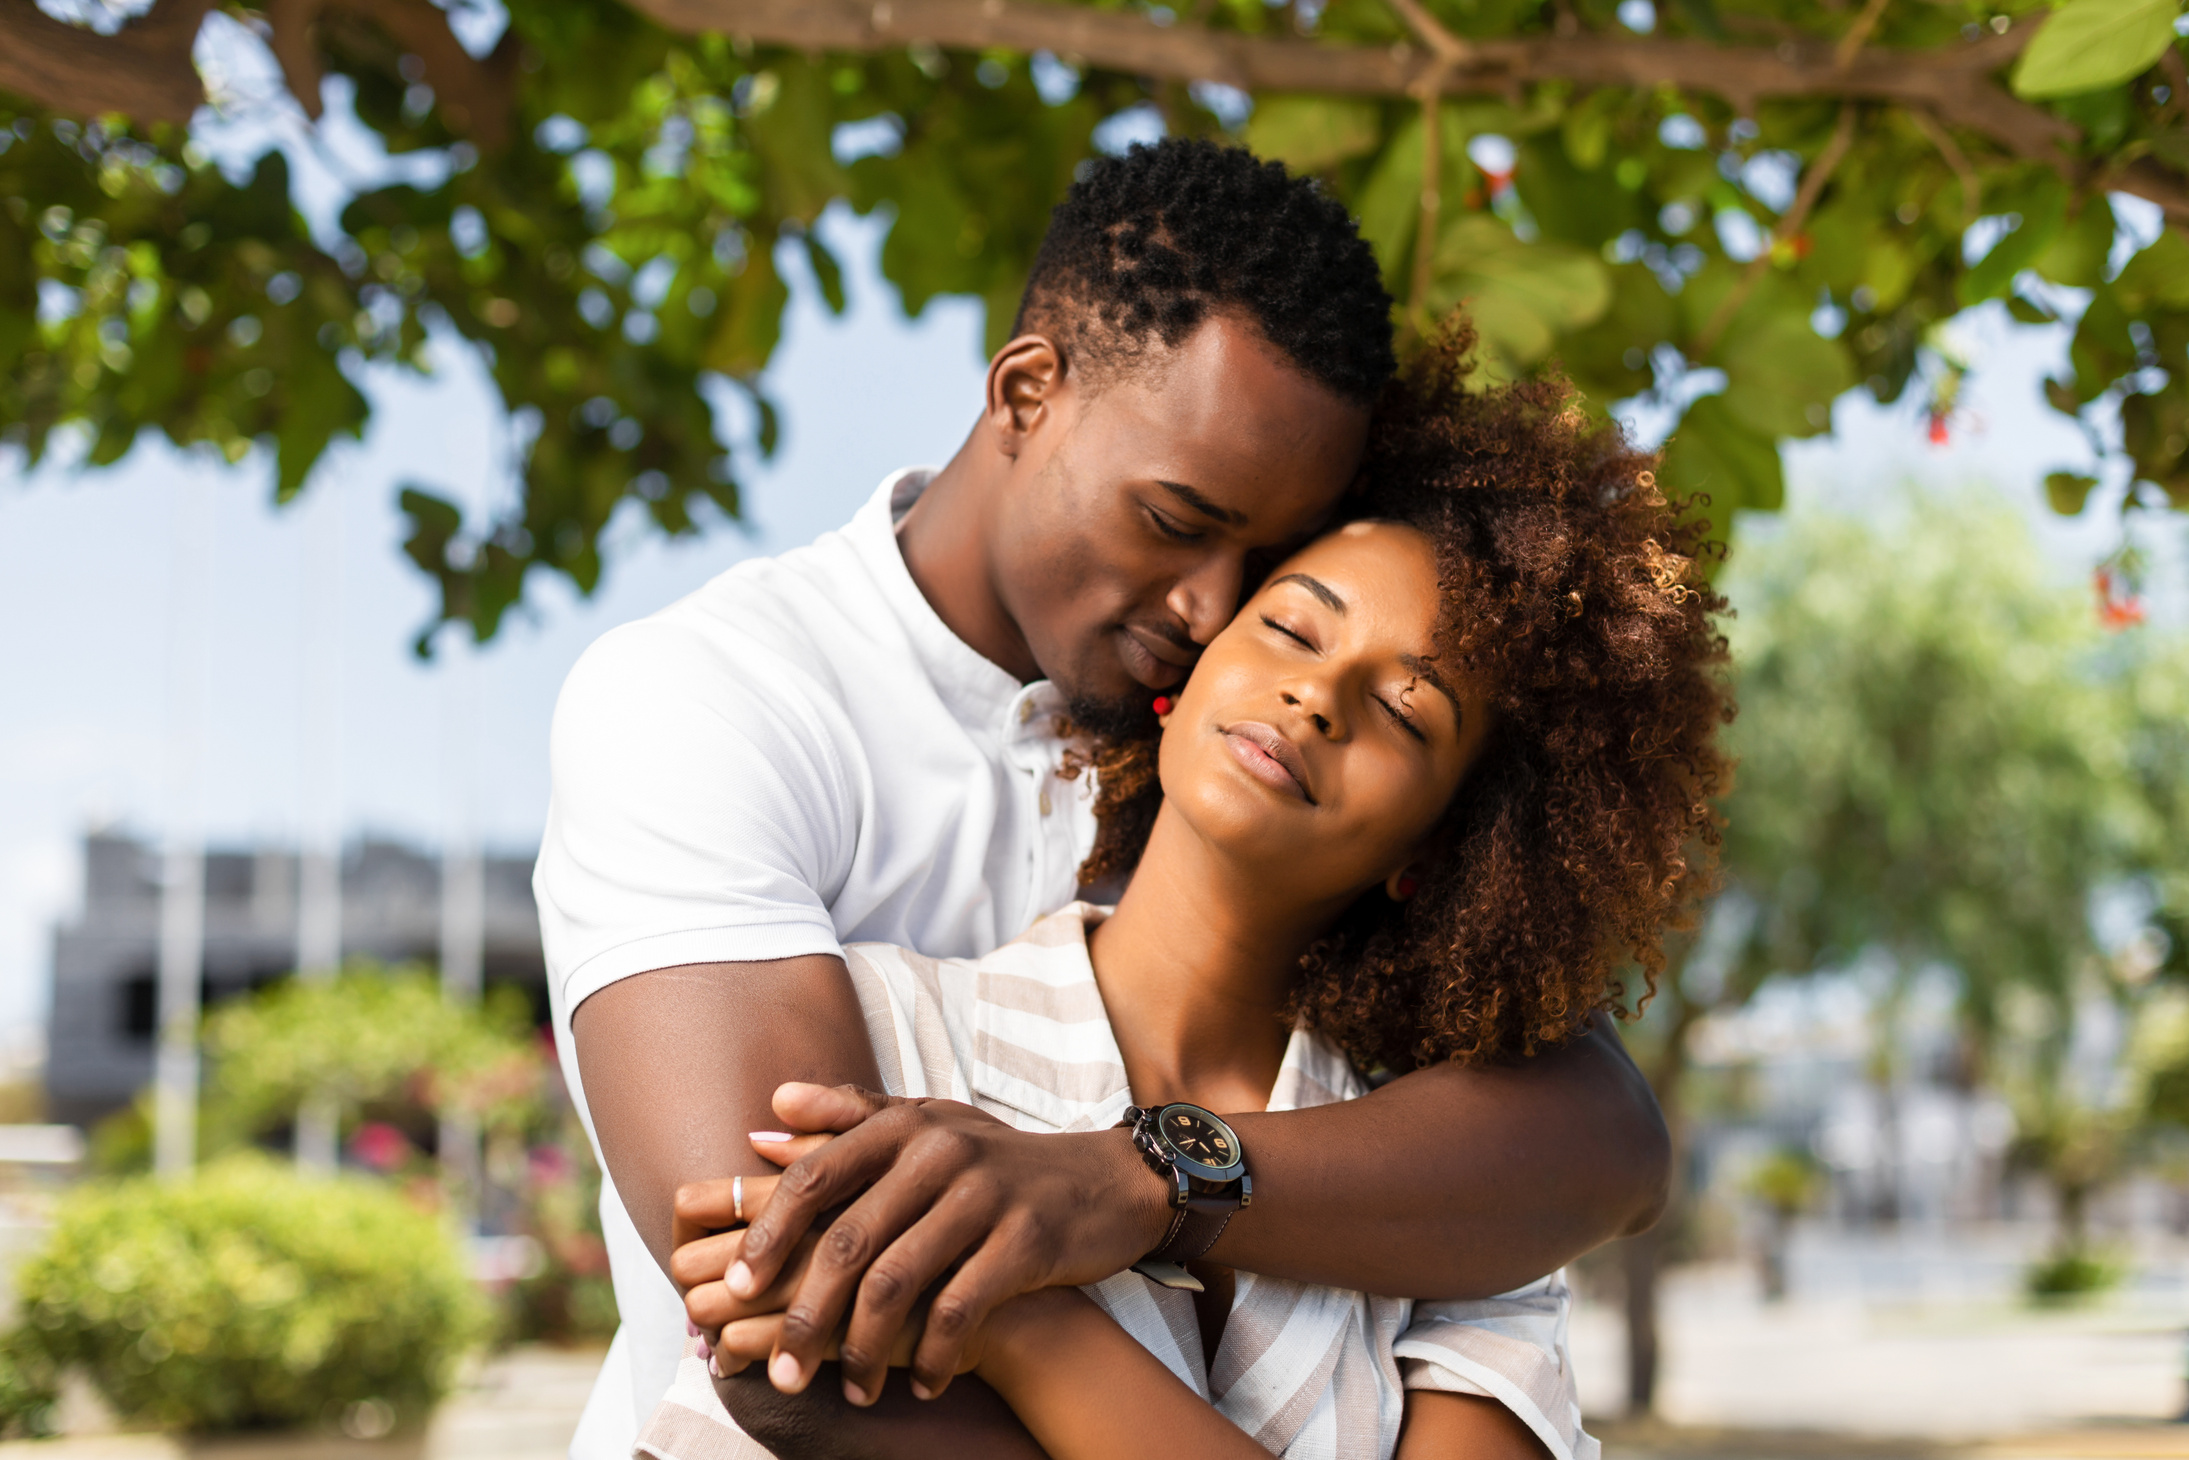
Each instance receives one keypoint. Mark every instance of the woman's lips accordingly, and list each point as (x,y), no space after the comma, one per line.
(1269,757)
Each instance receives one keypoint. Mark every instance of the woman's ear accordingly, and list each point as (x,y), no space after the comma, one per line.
(1401,885)
(1023,381)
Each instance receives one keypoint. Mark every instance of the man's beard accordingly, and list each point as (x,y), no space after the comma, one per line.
(1130,718)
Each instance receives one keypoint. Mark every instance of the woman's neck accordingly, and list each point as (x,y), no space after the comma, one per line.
(1195,967)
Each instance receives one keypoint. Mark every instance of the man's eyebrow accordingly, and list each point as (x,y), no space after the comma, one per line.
(1421,668)
(1315,586)
(1203,505)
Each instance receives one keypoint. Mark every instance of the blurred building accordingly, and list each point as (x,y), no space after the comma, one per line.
(104,1020)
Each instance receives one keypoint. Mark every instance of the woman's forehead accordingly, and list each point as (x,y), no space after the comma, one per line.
(1374,557)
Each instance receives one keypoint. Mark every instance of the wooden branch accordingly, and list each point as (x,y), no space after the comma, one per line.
(1843,54)
(142,70)
(1972,187)
(1956,83)
(1812,187)
(475,97)
(1431,32)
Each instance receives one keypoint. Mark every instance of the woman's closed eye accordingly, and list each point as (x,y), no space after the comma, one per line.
(1291,633)
(1399,716)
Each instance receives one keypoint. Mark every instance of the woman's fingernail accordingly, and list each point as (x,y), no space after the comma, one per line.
(783,1372)
(921,1391)
(691,1329)
(855,1394)
(769,1137)
(700,1349)
(713,1367)
(739,1278)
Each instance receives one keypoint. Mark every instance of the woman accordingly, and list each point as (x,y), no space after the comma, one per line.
(1423,796)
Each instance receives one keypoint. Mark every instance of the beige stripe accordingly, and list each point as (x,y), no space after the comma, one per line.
(1359,1404)
(1083,1084)
(673,1432)
(930,1031)
(1259,1312)
(1074,1003)
(1521,1365)
(881,1021)
(1277,1431)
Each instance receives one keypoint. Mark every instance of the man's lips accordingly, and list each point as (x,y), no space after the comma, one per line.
(1155,661)
(1269,757)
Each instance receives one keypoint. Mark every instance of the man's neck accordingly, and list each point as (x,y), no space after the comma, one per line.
(947,539)
(1195,967)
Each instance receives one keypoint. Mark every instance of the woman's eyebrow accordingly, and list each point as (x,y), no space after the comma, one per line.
(1315,586)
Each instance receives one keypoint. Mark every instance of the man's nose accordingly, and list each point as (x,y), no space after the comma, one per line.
(1206,598)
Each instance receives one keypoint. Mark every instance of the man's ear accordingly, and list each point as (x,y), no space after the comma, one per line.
(1024,381)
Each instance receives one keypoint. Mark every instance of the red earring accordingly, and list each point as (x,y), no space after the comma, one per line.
(1162,704)
(1407,885)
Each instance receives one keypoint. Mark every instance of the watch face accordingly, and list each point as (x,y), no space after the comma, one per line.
(1204,1145)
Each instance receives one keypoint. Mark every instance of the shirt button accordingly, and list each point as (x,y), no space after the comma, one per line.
(1025,711)
(1045,801)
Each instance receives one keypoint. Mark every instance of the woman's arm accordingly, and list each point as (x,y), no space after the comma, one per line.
(1440,1426)
(1083,1386)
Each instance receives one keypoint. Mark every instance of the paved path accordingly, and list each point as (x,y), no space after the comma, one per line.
(1840,1375)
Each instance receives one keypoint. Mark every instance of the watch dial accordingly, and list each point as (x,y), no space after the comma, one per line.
(1198,1138)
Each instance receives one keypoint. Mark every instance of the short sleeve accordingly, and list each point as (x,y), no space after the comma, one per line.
(1511,1348)
(700,810)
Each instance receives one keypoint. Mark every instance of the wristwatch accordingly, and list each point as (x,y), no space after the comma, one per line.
(1201,1161)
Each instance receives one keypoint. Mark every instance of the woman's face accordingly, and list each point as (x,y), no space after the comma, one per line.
(1315,743)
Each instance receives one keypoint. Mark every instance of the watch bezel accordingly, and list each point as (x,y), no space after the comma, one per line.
(1187,1163)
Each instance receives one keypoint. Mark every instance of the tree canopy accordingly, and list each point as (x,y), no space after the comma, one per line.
(1788,196)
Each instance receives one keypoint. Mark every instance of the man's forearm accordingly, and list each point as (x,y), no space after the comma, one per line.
(967,1421)
(1455,1182)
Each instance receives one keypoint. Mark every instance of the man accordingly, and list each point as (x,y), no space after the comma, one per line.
(859,740)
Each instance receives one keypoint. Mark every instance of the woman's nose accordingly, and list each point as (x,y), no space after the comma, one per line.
(1313,699)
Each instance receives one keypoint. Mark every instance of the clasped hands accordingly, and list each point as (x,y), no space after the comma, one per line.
(948,1228)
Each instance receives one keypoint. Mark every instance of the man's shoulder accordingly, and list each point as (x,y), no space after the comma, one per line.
(788,625)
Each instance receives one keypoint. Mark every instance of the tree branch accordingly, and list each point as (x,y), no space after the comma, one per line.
(142,70)
(1972,187)
(1956,83)
(1812,187)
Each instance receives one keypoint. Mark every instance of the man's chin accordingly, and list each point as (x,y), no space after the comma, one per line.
(1112,717)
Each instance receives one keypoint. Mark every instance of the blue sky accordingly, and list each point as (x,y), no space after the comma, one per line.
(318,594)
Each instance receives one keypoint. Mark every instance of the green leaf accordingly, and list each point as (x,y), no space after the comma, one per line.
(751,315)
(1717,454)
(2043,209)
(2157,277)
(2088,44)
(2078,252)
(826,272)
(1313,133)
(1781,374)
(1521,296)
(2068,490)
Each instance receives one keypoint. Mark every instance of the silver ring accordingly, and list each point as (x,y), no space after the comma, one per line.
(737,1198)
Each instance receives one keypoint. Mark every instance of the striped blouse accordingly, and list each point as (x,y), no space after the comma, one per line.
(1308,1371)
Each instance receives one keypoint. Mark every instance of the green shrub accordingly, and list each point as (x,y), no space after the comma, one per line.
(249,1295)
(2074,1273)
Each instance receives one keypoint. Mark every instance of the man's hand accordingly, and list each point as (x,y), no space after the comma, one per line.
(931,1183)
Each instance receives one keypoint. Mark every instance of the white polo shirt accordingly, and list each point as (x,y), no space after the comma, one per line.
(798,756)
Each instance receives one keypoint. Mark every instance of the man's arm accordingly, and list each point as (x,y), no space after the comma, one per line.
(1447,1183)
(678,1066)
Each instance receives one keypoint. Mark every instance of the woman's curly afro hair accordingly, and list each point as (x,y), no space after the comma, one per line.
(1584,830)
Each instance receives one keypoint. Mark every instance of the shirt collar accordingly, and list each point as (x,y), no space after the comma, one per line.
(978,692)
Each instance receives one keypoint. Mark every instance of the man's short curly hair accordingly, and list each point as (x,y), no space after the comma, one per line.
(1584,829)
(1146,246)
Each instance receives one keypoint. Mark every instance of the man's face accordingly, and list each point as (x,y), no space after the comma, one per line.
(1137,516)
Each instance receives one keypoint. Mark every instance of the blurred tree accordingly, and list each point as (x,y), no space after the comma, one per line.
(1793,192)
(1943,755)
